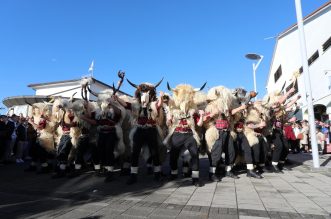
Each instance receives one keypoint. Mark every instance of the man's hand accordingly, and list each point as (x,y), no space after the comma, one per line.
(291,90)
(243,107)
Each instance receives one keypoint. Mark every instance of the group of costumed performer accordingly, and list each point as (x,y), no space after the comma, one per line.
(118,126)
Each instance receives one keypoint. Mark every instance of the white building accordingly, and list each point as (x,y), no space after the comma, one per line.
(44,92)
(287,59)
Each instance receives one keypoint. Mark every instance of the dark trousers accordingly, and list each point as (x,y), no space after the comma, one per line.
(177,142)
(2,148)
(149,137)
(38,153)
(255,154)
(281,148)
(82,148)
(63,149)
(238,144)
(223,144)
(294,144)
(105,148)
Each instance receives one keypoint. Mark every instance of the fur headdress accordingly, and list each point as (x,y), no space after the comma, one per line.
(221,100)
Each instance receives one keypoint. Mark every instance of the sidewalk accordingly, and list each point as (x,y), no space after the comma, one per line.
(307,160)
(299,193)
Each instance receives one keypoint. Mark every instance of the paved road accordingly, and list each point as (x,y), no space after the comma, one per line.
(299,193)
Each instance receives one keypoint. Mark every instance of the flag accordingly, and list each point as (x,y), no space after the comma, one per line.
(91,68)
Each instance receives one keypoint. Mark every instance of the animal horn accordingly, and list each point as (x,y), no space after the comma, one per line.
(28,103)
(72,97)
(132,84)
(283,87)
(82,91)
(121,75)
(158,83)
(92,92)
(52,100)
(201,88)
(168,86)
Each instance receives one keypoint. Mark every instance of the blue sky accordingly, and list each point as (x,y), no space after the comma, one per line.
(184,41)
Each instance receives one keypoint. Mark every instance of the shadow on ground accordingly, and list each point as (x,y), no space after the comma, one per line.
(26,194)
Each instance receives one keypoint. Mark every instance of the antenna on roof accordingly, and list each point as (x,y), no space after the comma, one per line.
(272,37)
(91,68)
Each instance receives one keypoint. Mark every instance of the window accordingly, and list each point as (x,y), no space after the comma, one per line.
(313,58)
(327,44)
(295,87)
(278,73)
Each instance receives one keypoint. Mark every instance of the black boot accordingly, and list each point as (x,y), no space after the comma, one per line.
(187,174)
(109,176)
(281,166)
(44,170)
(100,172)
(251,173)
(74,173)
(30,168)
(157,176)
(173,176)
(214,178)
(231,174)
(196,182)
(259,169)
(59,174)
(275,169)
(125,172)
(149,170)
(132,179)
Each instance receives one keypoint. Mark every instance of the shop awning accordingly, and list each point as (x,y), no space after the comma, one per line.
(24,100)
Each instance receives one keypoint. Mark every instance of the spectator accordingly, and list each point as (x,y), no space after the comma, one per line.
(297,130)
(305,136)
(320,137)
(290,137)
(325,131)
(21,139)
(2,137)
(31,139)
(9,128)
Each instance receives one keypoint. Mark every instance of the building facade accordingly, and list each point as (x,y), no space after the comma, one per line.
(287,60)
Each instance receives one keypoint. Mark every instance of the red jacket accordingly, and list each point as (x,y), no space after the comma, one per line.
(289,133)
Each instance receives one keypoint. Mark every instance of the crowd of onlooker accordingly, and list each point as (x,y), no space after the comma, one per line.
(298,136)
(16,137)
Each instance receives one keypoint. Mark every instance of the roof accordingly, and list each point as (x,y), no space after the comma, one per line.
(33,86)
(66,81)
(317,11)
(24,100)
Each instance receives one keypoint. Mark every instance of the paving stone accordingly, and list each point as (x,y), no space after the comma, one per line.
(165,212)
(192,214)
(138,211)
(223,216)
(161,217)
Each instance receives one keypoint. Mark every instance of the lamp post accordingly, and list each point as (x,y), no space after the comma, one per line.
(311,116)
(258,58)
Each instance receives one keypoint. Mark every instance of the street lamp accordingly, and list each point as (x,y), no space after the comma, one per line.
(258,58)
